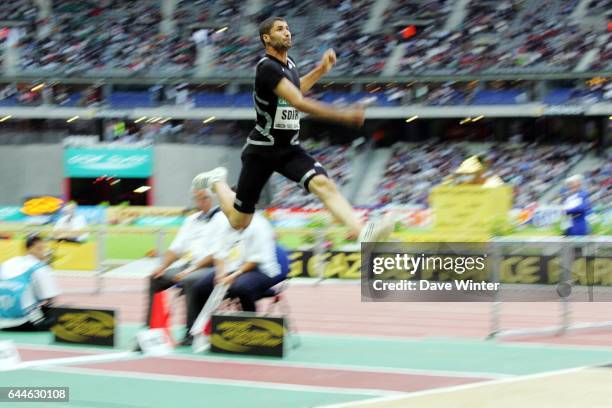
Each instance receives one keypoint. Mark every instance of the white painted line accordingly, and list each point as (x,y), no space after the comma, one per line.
(572,347)
(343,367)
(98,358)
(453,388)
(297,364)
(300,281)
(63,348)
(216,381)
(474,340)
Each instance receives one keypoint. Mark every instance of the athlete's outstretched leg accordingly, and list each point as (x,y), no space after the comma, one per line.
(299,166)
(324,188)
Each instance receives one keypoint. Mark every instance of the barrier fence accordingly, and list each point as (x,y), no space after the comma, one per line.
(576,269)
(584,275)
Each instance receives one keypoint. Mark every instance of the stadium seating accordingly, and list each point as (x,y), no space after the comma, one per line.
(129,99)
(599,184)
(531,169)
(337,162)
(509,36)
(127,37)
(498,97)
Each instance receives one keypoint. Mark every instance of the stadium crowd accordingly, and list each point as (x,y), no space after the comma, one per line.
(599,183)
(80,36)
(532,169)
(337,161)
(501,36)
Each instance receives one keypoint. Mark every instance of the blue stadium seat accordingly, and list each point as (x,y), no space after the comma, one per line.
(130,99)
(73,99)
(243,100)
(12,101)
(500,97)
(558,96)
(210,99)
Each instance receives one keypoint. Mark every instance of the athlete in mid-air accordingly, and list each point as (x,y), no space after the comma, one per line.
(273,145)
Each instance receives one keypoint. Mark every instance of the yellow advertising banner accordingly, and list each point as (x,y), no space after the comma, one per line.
(470,208)
(74,257)
(66,255)
(10,248)
(145,216)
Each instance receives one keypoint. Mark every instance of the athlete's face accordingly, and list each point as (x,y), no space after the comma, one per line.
(280,36)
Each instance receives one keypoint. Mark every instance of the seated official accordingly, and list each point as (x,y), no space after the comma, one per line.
(188,259)
(246,260)
(27,289)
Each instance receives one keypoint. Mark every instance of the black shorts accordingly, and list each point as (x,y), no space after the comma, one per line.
(258,164)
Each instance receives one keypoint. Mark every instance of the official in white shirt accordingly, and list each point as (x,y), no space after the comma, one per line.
(71,226)
(40,291)
(245,259)
(189,257)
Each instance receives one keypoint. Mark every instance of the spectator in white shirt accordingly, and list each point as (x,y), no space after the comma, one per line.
(71,226)
(245,259)
(27,289)
(189,257)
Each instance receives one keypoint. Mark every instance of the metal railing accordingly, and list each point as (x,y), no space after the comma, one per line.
(567,248)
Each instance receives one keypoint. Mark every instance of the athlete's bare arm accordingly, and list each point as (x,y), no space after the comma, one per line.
(327,62)
(353,116)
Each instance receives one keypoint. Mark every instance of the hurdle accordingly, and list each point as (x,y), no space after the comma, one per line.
(566,247)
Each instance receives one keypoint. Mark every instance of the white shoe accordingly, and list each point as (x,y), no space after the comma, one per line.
(377,231)
(206,179)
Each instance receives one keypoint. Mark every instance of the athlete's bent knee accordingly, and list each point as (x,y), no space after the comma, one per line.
(322,185)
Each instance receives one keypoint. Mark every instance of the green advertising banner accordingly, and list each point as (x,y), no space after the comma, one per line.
(132,163)
(11,214)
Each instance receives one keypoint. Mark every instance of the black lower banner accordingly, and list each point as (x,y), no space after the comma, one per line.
(515,268)
(84,326)
(247,333)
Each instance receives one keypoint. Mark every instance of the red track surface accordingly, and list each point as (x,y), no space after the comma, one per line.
(330,309)
(31,354)
(339,378)
(337,309)
(285,375)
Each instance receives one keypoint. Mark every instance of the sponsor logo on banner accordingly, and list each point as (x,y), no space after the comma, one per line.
(517,268)
(84,326)
(42,205)
(470,208)
(12,214)
(93,214)
(146,216)
(246,333)
(102,162)
(344,265)
(95,162)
